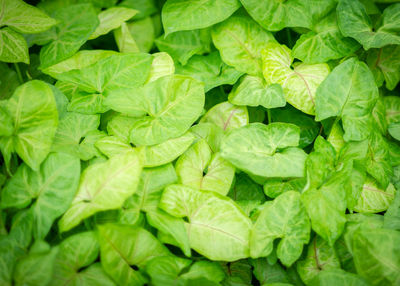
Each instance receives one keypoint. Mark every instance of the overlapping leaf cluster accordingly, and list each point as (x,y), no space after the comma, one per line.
(200,142)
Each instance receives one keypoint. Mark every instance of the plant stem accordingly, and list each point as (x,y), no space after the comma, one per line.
(269,116)
(289,37)
(17,69)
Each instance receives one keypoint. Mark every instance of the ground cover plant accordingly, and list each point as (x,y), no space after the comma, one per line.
(199,142)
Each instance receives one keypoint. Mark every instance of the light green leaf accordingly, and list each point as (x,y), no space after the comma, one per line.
(275,187)
(375,255)
(103,186)
(240,41)
(354,22)
(374,199)
(275,15)
(265,150)
(80,60)
(210,233)
(210,70)
(124,39)
(394,130)
(77,252)
(254,91)
(180,101)
(143,33)
(165,152)
(35,268)
(392,105)
(13,47)
(52,189)
(349,93)
(111,19)
(392,215)
(75,25)
(324,43)
(123,246)
(337,277)
(284,218)
(385,65)
(183,45)
(162,65)
(24,18)
(299,83)
(320,257)
(195,14)
(226,116)
(73,127)
(200,169)
(144,7)
(33,111)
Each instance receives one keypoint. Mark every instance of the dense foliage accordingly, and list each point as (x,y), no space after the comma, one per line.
(200,142)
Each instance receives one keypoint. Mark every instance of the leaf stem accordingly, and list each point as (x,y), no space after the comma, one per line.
(289,37)
(18,70)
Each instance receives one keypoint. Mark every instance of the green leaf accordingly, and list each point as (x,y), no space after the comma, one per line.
(195,14)
(162,65)
(73,127)
(210,233)
(51,189)
(24,18)
(354,22)
(385,65)
(240,41)
(199,168)
(350,93)
(275,15)
(254,91)
(75,25)
(299,83)
(181,101)
(272,149)
(123,246)
(144,7)
(320,257)
(9,81)
(226,116)
(210,70)
(35,268)
(124,39)
(275,187)
(13,47)
(394,130)
(111,19)
(183,45)
(375,255)
(392,106)
(336,276)
(324,43)
(374,199)
(392,215)
(267,273)
(165,270)
(284,218)
(77,252)
(33,111)
(101,189)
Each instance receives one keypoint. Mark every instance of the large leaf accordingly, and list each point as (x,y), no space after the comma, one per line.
(195,14)
(373,199)
(284,218)
(111,19)
(299,83)
(77,252)
(324,42)
(75,25)
(320,256)
(13,47)
(375,255)
(349,93)
(210,233)
(173,104)
(24,18)
(265,150)
(275,15)
(200,169)
(354,22)
(103,186)
(33,120)
(336,277)
(184,44)
(240,41)
(210,70)
(123,246)
(52,189)
(254,91)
